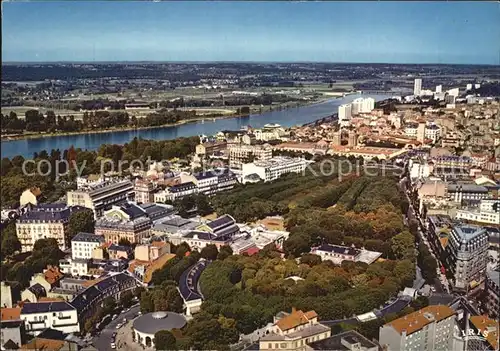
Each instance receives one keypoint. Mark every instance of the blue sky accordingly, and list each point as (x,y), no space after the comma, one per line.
(400,32)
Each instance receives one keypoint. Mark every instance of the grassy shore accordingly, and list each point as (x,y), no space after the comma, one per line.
(29,135)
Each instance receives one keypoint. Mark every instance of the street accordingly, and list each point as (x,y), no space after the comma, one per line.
(440,283)
(103,340)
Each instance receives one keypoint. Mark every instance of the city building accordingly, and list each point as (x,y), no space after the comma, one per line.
(361,105)
(146,326)
(172,229)
(12,332)
(127,221)
(111,285)
(337,254)
(294,331)
(242,153)
(84,244)
(209,148)
(439,89)
(43,222)
(488,212)
(467,254)
(274,168)
(220,232)
(102,196)
(417,86)
(59,315)
(492,292)
(188,287)
(345,114)
(421,132)
(467,193)
(149,258)
(430,328)
(88,180)
(487,333)
(352,140)
(144,191)
(10,294)
(214,181)
(349,340)
(30,196)
(175,192)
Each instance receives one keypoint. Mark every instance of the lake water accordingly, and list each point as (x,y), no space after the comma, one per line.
(286,118)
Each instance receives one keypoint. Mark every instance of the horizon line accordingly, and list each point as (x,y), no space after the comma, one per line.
(242,61)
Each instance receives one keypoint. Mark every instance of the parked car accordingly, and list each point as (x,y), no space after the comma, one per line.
(113,345)
(118,326)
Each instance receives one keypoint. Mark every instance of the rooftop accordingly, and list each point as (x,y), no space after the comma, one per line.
(338,342)
(417,320)
(188,283)
(153,322)
(45,307)
(484,323)
(88,237)
(343,250)
(295,319)
(468,232)
(10,313)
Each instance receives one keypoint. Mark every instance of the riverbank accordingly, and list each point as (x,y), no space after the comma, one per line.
(282,107)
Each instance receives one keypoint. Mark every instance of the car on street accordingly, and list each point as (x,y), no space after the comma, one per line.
(113,335)
(113,345)
(118,326)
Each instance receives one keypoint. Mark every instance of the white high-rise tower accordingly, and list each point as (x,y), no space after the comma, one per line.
(417,87)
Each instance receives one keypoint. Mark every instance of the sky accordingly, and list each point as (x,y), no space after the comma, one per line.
(389,32)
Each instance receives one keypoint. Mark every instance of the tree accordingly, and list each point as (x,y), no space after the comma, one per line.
(42,244)
(209,252)
(126,299)
(165,340)
(224,252)
(310,259)
(10,242)
(81,221)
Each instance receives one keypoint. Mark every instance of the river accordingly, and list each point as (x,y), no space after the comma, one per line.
(286,118)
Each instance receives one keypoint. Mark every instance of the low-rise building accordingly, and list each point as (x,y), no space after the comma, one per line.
(349,340)
(337,254)
(43,222)
(100,197)
(214,181)
(60,316)
(487,213)
(188,287)
(273,168)
(110,285)
(430,328)
(294,331)
(127,221)
(175,192)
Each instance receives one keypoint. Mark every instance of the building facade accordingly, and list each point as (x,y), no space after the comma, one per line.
(243,153)
(44,222)
(492,290)
(128,221)
(274,168)
(466,255)
(430,328)
(101,197)
(60,316)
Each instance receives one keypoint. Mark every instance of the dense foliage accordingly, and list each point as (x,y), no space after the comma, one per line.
(22,267)
(55,185)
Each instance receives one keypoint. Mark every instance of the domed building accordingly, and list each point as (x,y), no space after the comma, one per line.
(145,326)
